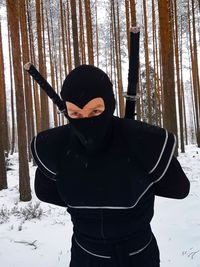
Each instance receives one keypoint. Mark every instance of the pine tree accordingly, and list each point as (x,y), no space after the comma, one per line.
(24,179)
(75,34)
(167,59)
(3,175)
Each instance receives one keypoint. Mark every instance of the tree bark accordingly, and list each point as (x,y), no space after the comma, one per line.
(63,36)
(81,34)
(51,68)
(133,13)
(68,36)
(43,96)
(194,82)
(89,32)
(196,72)
(97,35)
(13,134)
(27,87)
(180,99)
(75,33)
(117,53)
(147,67)
(167,59)
(127,25)
(24,179)
(3,174)
(37,107)
(4,120)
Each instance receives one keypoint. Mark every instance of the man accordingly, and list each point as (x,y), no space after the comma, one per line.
(106,171)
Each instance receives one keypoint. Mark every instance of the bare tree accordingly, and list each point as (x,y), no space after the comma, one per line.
(89,32)
(167,57)
(63,36)
(133,12)
(75,33)
(3,176)
(82,34)
(97,35)
(24,179)
(68,36)
(42,67)
(117,54)
(13,126)
(146,49)
(52,71)
(195,70)
(27,87)
(157,102)
(180,98)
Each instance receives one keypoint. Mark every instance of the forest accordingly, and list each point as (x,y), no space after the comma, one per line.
(58,35)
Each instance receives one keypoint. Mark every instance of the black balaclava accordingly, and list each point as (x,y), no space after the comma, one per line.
(81,85)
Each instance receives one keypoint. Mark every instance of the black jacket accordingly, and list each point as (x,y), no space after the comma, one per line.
(110,195)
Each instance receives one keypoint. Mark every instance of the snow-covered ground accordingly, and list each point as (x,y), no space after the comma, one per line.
(45,240)
(176,223)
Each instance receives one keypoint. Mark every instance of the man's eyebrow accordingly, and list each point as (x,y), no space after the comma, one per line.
(97,106)
(73,109)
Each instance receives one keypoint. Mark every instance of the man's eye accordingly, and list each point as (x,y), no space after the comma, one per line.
(96,111)
(74,114)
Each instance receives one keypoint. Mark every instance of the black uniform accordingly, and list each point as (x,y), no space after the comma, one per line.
(106,171)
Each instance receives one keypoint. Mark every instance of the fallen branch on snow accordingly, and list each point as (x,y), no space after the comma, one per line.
(27,243)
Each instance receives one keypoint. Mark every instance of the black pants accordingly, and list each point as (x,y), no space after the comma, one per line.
(148,257)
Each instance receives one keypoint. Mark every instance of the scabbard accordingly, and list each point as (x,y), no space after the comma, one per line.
(131,95)
(29,67)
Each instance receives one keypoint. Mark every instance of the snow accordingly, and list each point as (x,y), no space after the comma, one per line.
(46,241)
(176,223)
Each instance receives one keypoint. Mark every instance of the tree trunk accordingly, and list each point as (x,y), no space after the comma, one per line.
(37,110)
(63,36)
(155,66)
(82,34)
(133,13)
(117,53)
(13,135)
(26,76)
(147,67)
(196,72)
(194,81)
(4,119)
(167,57)
(182,83)
(24,179)
(55,68)
(89,32)
(55,119)
(3,174)
(43,96)
(97,35)
(75,33)
(112,63)
(68,36)
(127,25)
(180,99)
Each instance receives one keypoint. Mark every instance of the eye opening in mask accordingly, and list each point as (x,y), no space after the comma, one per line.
(93,108)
